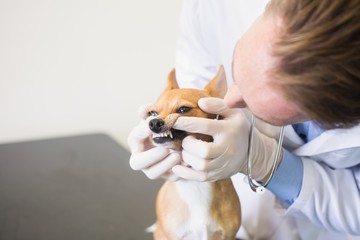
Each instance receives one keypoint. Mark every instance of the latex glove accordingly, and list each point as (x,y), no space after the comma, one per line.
(227,154)
(153,160)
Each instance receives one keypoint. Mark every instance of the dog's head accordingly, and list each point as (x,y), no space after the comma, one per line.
(175,102)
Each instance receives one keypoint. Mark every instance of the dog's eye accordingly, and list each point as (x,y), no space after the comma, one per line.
(183,109)
(152,113)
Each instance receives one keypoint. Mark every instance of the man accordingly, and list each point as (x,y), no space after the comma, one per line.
(296,66)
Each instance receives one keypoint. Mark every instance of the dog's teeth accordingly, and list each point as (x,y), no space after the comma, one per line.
(163,134)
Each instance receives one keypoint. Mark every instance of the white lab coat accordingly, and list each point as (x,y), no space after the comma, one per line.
(329,201)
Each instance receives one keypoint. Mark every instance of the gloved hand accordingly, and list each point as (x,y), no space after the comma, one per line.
(227,154)
(153,160)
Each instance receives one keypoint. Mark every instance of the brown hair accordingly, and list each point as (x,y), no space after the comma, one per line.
(319,52)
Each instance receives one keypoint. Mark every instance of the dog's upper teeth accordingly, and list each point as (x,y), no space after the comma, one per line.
(169,134)
(164,134)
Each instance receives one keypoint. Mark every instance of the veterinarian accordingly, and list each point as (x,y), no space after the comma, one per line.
(290,119)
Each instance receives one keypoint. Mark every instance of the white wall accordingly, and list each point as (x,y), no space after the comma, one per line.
(71,67)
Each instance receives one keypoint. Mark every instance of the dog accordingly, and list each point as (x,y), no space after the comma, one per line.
(189,209)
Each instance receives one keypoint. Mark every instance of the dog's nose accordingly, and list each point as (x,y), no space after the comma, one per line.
(156,124)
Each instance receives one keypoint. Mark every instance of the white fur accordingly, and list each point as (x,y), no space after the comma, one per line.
(197,196)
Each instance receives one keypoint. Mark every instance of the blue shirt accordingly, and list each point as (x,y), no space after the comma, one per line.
(287,180)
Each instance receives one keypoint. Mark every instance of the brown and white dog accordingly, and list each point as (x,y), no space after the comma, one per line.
(188,209)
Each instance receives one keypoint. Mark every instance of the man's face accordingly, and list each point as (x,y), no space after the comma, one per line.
(253,87)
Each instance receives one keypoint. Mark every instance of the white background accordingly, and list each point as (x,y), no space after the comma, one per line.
(71,67)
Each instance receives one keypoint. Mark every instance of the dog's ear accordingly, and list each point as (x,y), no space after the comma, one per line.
(217,87)
(171,81)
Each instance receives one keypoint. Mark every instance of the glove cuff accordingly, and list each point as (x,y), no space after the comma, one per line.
(262,156)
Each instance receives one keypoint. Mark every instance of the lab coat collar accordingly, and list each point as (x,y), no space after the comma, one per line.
(328,141)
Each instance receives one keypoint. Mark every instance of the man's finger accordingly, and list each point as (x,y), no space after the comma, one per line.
(198,125)
(188,173)
(162,167)
(202,149)
(142,160)
(138,136)
(144,110)
(215,106)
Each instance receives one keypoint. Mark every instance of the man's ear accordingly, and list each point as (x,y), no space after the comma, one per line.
(171,81)
(217,87)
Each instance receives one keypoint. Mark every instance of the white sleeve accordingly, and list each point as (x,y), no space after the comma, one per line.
(194,64)
(331,197)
